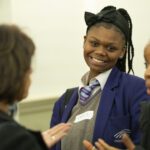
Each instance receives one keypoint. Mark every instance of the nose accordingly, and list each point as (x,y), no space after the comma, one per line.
(100,50)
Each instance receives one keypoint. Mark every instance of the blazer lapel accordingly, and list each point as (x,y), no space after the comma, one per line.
(106,102)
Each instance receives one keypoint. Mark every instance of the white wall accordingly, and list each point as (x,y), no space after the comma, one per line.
(57,27)
(57,30)
(5,11)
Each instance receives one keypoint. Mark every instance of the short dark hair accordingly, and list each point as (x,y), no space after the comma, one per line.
(16,51)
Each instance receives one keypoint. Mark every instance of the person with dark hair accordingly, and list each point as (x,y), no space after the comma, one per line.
(107,103)
(16,52)
(144,119)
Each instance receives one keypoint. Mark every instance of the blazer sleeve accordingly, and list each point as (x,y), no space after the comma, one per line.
(56,118)
(56,114)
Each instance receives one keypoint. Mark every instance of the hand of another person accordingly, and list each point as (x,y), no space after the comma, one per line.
(88,145)
(102,145)
(128,142)
(53,135)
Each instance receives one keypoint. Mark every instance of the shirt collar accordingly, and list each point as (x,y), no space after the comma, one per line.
(102,78)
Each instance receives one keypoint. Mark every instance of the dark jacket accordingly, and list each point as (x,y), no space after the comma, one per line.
(145,126)
(15,137)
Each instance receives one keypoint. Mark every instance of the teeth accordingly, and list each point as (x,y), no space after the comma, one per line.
(97,60)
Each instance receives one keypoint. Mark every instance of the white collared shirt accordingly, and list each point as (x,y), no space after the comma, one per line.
(102,78)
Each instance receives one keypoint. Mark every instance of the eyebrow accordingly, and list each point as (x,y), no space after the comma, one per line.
(108,43)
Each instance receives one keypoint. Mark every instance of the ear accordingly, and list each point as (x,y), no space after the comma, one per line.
(84,41)
(84,38)
(122,53)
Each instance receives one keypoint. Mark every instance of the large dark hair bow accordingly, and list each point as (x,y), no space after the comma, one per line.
(109,15)
(91,18)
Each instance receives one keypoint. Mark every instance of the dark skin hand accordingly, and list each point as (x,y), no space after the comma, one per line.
(102,145)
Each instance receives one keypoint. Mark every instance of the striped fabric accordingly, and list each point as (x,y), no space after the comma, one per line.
(85,92)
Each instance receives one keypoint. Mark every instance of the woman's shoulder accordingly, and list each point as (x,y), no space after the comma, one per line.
(15,136)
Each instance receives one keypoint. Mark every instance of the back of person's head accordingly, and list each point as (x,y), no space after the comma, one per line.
(16,51)
(110,17)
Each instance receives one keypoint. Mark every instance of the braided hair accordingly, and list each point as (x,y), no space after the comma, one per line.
(121,19)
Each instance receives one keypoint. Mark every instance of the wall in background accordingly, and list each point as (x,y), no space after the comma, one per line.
(58,31)
(36,114)
(57,28)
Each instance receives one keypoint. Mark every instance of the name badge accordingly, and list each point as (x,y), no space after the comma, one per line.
(84,116)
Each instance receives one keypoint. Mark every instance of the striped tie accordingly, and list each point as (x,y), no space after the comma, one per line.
(85,92)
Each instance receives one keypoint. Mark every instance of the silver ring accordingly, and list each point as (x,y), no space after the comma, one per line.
(53,137)
(94,148)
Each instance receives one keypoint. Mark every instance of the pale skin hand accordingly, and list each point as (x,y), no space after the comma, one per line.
(53,135)
(102,145)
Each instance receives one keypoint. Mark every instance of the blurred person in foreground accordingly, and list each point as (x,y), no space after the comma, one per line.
(16,52)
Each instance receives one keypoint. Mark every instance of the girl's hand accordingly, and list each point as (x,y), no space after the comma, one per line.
(102,145)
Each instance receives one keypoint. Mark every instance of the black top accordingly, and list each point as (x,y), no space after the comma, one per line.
(139,148)
(145,126)
(16,137)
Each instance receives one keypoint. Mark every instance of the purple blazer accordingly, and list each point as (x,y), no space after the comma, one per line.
(118,110)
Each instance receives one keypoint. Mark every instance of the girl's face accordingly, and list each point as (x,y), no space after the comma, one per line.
(147,71)
(102,48)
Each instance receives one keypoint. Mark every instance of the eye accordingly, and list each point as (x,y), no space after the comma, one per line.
(147,64)
(94,43)
(111,48)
